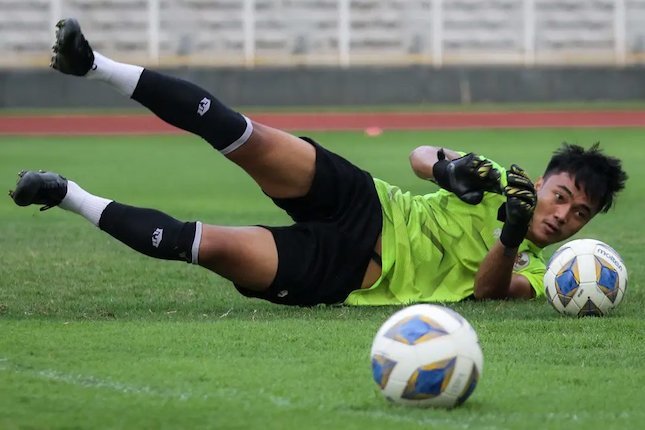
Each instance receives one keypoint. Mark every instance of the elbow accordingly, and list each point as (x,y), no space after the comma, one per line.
(419,161)
(479,291)
(487,291)
(414,158)
(487,295)
(421,152)
(480,294)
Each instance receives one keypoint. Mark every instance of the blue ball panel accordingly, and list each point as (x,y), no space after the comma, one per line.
(381,369)
(415,329)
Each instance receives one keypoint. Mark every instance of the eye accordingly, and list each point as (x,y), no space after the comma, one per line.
(558,196)
(582,214)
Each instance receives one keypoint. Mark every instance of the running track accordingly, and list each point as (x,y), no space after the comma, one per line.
(148,124)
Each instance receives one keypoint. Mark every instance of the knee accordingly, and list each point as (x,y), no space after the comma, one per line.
(245,255)
(214,244)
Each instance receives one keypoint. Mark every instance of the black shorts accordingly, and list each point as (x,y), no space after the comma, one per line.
(324,255)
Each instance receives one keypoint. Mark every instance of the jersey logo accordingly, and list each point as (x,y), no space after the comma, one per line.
(521,261)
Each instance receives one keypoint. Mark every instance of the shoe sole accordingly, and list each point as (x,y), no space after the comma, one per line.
(67,31)
(26,189)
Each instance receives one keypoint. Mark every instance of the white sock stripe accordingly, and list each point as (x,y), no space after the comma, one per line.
(196,242)
(242,140)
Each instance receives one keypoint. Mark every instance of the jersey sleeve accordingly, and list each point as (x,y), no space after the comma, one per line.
(532,267)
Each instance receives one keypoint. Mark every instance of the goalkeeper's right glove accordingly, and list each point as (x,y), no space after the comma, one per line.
(520,204)
(468,177)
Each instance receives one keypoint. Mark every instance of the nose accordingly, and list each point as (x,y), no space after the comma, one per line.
(561,214)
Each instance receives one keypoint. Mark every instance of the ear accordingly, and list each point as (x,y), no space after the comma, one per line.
(538,183)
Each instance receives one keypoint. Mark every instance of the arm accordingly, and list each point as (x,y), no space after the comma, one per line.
(423,159)
(495,278)
(468,176)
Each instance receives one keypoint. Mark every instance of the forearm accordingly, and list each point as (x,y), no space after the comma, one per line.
(423,158)
(493,279)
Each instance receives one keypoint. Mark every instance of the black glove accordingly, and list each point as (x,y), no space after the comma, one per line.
(467,177)
(520,204)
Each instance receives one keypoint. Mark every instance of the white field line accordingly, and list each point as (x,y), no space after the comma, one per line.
(92,382)
(247,398)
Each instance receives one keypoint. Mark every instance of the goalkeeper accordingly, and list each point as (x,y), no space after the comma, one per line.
(355,239)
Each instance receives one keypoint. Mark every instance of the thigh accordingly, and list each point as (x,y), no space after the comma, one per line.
(283,165)
(340,192)
(317,264)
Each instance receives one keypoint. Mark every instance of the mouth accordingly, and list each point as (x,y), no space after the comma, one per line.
(551,229)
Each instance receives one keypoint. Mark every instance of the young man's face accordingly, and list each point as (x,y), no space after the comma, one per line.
(562,209)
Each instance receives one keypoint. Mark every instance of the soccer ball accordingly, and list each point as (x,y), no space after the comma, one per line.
(426,355)
(585,277)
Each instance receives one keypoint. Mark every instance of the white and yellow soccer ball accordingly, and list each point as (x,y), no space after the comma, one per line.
(585,277)
(426,355)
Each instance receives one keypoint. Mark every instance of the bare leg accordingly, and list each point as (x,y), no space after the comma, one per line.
(247,256)
(283,165)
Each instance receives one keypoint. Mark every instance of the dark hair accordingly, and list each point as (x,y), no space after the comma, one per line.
(598,175)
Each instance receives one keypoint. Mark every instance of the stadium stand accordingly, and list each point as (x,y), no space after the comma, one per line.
(259,32)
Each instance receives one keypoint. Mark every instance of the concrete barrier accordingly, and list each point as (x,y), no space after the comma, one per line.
(320,86)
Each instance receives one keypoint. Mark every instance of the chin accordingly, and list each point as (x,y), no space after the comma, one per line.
(549,239)
(541,239)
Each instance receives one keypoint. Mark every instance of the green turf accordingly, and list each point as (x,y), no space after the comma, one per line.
(95,336)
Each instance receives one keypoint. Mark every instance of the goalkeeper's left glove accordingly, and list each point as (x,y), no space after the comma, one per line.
(521,199)
(468,177)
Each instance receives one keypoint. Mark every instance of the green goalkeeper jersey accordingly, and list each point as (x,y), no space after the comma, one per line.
(432,246)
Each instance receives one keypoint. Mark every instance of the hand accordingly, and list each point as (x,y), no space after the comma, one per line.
(520,204)
(468,177)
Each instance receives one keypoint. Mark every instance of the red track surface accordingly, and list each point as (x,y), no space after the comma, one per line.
(148,124)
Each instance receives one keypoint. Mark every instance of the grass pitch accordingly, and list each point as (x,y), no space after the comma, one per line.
(94,335)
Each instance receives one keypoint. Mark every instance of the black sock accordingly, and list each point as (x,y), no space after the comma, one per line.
(191,108)
(149,231)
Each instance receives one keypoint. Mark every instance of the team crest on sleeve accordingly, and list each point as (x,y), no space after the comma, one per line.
(521,261)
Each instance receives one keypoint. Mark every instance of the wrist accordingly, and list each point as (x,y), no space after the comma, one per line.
(510,252)
(440,173)
(513,234)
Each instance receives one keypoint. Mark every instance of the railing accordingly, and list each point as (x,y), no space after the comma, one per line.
(255,33)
